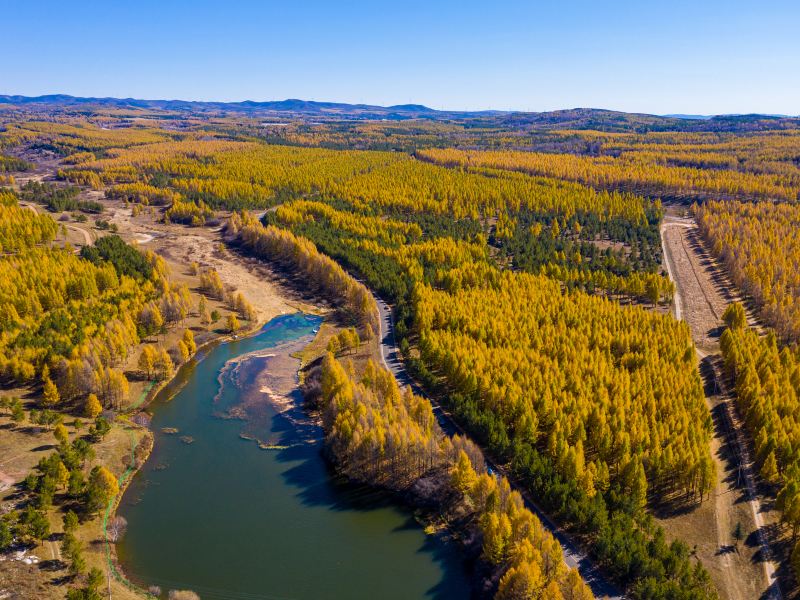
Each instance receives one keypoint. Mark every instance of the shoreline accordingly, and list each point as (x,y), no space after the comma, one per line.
(127,420)
(438,521)
(440,515)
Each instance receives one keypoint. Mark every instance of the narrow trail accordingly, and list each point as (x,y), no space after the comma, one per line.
(573,556)
(702,293)
(88,238)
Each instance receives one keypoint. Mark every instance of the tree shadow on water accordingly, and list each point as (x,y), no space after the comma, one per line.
(319,485)
(299,448)
(458,572)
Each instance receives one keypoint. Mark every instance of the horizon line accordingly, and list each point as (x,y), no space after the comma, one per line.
(678,115)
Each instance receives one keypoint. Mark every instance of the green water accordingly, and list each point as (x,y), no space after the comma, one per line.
(229,520)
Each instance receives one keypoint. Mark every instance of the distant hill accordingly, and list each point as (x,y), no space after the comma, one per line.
(745,116)
(574,118)
(592,118)
(680,116)
(616,121)
(292,105)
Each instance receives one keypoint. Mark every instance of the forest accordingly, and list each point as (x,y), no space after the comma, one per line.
(525,271)
(67,323)
(598,481)
(757,243)
(571,488)
(379,433)
(662,172)
(58,199)
(457,232)
(760,247)
(70,319)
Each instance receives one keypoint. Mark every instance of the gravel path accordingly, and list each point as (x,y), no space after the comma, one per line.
(702,294)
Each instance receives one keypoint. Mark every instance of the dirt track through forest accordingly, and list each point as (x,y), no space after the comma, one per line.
(738,569)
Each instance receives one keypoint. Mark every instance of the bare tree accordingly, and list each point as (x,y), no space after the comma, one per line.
(116,528)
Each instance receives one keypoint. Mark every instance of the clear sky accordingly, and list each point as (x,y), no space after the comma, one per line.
(705,56)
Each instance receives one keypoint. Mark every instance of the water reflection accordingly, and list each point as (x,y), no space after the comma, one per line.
(229,519)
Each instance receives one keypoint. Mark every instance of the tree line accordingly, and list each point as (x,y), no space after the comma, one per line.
(640,173)
(759,244)
(301,256)
(766,377)
(382,435)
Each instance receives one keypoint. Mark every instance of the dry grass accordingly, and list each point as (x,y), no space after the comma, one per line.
(704,292)
(318,346)
(21,448)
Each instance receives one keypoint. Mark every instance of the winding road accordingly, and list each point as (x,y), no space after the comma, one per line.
(87,237)
(573,556)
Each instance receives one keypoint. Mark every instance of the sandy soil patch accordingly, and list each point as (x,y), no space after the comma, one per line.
(702,293)
(182,246)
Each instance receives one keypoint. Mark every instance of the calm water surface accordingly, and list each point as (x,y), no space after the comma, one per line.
(227,519)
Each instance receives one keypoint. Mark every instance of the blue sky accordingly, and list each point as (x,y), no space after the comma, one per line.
(658,57)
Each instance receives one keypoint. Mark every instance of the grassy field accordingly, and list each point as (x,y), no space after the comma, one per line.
(21,447)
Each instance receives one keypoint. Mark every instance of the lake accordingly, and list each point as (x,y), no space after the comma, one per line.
(240,503)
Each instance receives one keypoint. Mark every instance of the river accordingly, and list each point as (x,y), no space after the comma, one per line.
(228,516)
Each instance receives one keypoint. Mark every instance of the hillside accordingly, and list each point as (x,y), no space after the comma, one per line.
(575,118)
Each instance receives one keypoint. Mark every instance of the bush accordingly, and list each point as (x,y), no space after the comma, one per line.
(126,259)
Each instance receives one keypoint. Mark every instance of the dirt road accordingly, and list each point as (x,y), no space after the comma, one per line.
(702,294)
(82,231)
(740,571)
(88,240)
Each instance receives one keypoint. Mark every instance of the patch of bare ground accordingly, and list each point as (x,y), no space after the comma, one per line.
(45,162)
(181,245)
(21,446)
(740,568)
(44,575)
(604,244)
(702,292)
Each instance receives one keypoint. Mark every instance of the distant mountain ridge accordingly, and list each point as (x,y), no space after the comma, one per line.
(291,105)
(750,115)
(691,117)
(575,118)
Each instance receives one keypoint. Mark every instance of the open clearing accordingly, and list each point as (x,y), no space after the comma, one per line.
(702,294)
(21,447)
